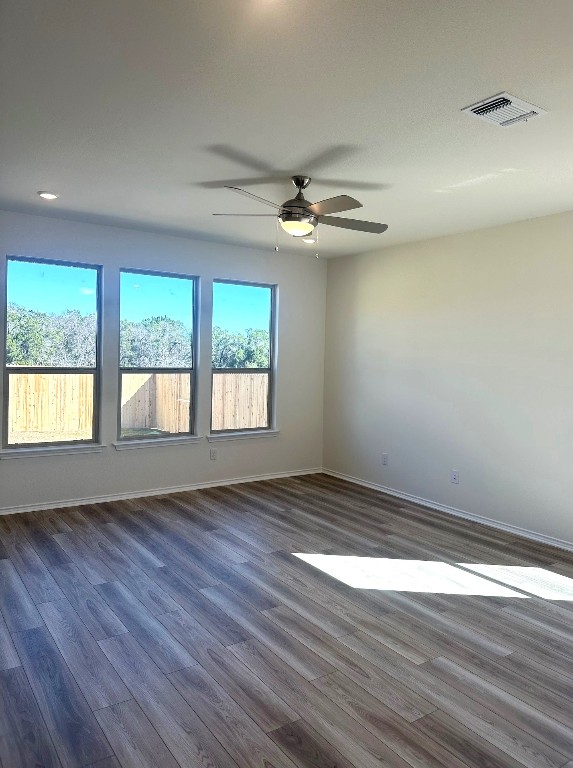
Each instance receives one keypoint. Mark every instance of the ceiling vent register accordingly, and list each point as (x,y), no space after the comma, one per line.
(504,110)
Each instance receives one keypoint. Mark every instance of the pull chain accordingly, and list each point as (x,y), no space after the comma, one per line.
(277,235)
(317,254)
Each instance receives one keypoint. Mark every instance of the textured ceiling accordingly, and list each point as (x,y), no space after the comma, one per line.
(135,112)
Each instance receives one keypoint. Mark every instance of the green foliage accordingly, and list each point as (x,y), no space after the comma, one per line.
(69,340)
(156,342)
(238,350)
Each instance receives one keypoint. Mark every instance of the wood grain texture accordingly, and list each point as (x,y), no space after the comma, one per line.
(217,622)
(97,679)
(362,669)
(140,555)
(24,738)
(517,711)
(72,726)
(8,656)
(125,569)
(242,738)
(108,762)
(302,659)
(46,546)
(36,577)
(264,706)
(464,743)
(15,602)
(95,613)
(134,740)
(163,648)
(384,723)
(306,747)
(185,735)
(94,568)
(344,733)
(182,630)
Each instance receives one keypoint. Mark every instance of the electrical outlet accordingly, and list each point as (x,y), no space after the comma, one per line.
(213,454)
(454,476)
(384,459)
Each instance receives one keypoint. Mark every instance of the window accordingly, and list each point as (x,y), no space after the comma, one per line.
(243,319)
(156,354)
(52,353)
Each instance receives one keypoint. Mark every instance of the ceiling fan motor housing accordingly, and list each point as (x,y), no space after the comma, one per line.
(295,210)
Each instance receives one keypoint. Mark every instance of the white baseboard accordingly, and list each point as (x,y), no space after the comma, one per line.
(540,538)
(153,492)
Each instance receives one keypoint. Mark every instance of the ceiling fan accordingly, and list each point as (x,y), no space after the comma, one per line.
(299,217)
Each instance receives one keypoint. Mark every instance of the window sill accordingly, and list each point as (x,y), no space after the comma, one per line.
(246,435)
(128,445)
(55,450)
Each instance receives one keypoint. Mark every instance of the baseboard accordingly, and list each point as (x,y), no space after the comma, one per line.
(540,538)
(153,491)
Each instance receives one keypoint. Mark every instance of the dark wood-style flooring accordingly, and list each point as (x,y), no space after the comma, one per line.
(181,631)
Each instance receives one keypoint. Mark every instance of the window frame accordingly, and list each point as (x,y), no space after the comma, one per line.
(270,370)
(170,436)
(96,370)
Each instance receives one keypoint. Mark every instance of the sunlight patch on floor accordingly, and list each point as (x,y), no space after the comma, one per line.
(538,581)
(407,575)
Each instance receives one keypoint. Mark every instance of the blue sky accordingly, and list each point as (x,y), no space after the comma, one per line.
(52,288)
(144,296)
(237,307)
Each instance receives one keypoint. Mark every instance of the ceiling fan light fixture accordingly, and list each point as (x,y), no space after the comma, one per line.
(297,224)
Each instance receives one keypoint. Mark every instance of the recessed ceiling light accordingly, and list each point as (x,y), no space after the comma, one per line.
(48,195)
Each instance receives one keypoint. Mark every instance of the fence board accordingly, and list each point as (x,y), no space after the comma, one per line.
(46,407)
(50,406)
(239,400)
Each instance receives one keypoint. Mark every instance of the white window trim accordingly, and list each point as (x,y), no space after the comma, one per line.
(128,445)
(49,450)
(216,437)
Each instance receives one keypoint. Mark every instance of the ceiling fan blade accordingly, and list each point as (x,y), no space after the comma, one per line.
(346,184)
(283,177)
(334,205)
(359,226)
(256,215)
(253,181)
(328,157)
(240,157)
(255,197)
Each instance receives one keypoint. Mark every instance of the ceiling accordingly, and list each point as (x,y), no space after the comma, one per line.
(137,112)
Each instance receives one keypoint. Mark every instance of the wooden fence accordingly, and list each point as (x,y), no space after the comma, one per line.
(47,407)
(239,400)
(155,401)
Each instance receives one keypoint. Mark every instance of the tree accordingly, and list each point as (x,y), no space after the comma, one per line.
(67,340)
(237,350)
(25,340)
(155,342)
(35,338)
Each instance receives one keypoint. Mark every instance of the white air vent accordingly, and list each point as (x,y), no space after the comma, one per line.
(504,110)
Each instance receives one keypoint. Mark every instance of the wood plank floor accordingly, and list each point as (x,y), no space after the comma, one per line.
(182,631)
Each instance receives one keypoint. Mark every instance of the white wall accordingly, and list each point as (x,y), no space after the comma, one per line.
(457,353)
(299,387)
